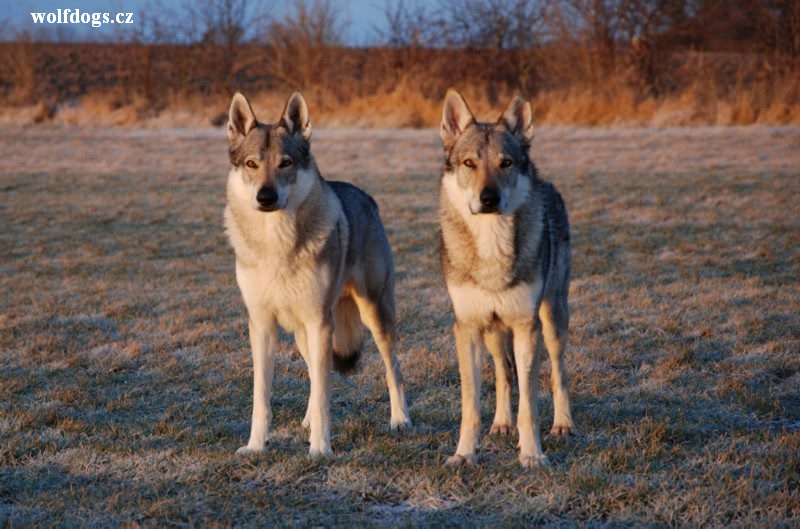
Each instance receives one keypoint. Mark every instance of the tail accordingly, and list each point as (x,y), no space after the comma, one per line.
(348,335)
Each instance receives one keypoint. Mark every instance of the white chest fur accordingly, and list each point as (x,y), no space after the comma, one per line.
(479,306)
(493,237)
(277,279)
(490,253)
(291,295)
(492,241)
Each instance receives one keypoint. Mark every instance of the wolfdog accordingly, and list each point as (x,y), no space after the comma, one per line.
(311,256)
(506,258)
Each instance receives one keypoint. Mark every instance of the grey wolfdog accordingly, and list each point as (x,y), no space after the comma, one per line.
(506,258)
(312,257)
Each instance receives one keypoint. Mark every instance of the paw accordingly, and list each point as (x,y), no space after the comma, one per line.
(502,429)
(533,461)
(458,460)
(401,425)
(306,423)
(248,450)
(315,453)
(563,429)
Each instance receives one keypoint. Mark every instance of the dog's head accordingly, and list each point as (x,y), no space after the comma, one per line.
(485,161)
(274,161)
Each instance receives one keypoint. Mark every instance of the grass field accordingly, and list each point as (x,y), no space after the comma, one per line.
(125,373)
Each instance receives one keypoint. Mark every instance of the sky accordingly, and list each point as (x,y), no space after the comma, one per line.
(362,16)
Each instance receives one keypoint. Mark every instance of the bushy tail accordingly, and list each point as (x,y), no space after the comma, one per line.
(348,335)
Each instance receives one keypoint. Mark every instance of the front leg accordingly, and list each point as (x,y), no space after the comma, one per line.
(262,341)
(319,336)
(526,355)
(469,349)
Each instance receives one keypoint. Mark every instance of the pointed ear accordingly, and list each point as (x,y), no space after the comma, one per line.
(295,116)
(518,119)
(456,117)
(241,118)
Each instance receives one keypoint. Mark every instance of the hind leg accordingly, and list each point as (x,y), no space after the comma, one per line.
(379,319)
(301,340)
(554,330)
(503,423)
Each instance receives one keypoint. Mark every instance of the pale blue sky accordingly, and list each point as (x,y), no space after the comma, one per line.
(363,15)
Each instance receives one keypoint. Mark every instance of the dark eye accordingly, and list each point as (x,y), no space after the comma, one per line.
(505,163)
(251,164)
(285,162)
(469,163)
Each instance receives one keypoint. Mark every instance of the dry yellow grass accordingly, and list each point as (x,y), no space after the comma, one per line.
(125,376)
(403,106)
(386,87)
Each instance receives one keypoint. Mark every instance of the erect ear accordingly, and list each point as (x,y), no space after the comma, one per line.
(518,119)
(456,117)
(295,116)
(241,118)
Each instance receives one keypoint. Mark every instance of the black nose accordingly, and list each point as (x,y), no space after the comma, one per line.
(267,197)
(490,198)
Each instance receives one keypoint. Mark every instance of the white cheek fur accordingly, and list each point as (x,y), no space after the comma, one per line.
(289,196)
(510,198)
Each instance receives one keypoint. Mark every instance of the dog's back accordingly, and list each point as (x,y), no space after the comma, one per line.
(557,222)
(369,272)
(367,235)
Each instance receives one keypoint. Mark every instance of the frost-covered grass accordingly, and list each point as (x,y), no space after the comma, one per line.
(125,375)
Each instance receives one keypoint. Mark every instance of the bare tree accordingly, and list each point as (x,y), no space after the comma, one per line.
(585,36)
(504,31)
(598,26)
(408,24)
(497,24)
(20,65)
(221,27)
(778,22)
(149,31)
(300,42)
